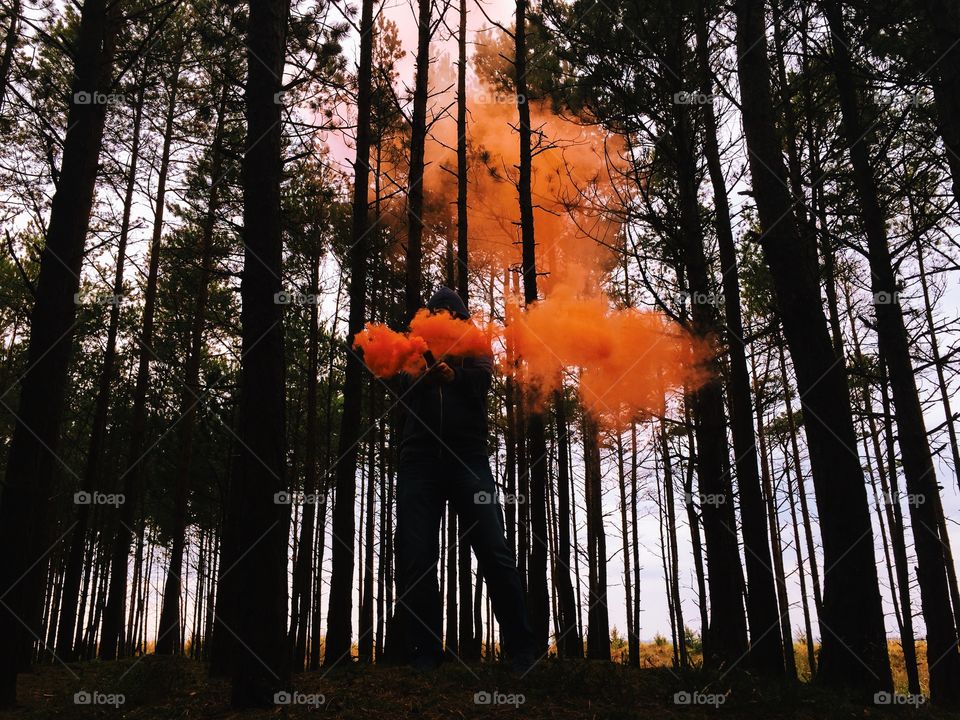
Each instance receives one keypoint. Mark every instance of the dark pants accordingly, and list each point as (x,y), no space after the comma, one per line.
(423,485)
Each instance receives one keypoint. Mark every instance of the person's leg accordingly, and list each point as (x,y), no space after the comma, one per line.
(419,510)
(474,495)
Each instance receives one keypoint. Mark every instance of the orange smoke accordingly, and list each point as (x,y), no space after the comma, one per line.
(387,352)
(628,360)
(448,335)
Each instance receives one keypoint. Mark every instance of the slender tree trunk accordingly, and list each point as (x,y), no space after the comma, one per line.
(303,570)
(32,459)
(463,277)
(539,601)
(9,45)
(261,664)
(339,613)
(112,637)
(766,643)
(168,641)
(91,476)
(598,633)
(418,138)
(569,642)
(943,18)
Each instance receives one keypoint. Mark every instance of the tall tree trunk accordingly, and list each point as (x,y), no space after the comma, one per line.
(943,17)
(9,45)
(261,664)
(942,655)
(766,643)
(854,652)
(303,570)
(112,636)
(539,601)
(569,642)
(728,625)
(418,139)
(339,613)
(91,476)
(168,639)
(32,455)
(463,278)
(598,622)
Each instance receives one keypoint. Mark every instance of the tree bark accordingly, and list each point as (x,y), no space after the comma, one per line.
(258,567)
(33,447)
(538,594)
(339,612)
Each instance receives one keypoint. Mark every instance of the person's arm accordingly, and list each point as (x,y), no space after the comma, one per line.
(477,376)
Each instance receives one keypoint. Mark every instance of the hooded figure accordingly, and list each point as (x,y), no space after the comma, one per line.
(447,407)
(444,456)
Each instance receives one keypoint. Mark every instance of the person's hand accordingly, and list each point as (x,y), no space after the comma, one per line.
(441,372)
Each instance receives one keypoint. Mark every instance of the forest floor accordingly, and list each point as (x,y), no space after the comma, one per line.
(154,688)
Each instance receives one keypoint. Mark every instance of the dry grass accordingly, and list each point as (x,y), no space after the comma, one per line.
(165,688)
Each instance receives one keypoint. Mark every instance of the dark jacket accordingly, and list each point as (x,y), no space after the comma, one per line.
(453,415)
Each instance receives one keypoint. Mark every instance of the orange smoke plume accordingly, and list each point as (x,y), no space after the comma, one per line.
(448,335)
(628,360)
(387,352)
